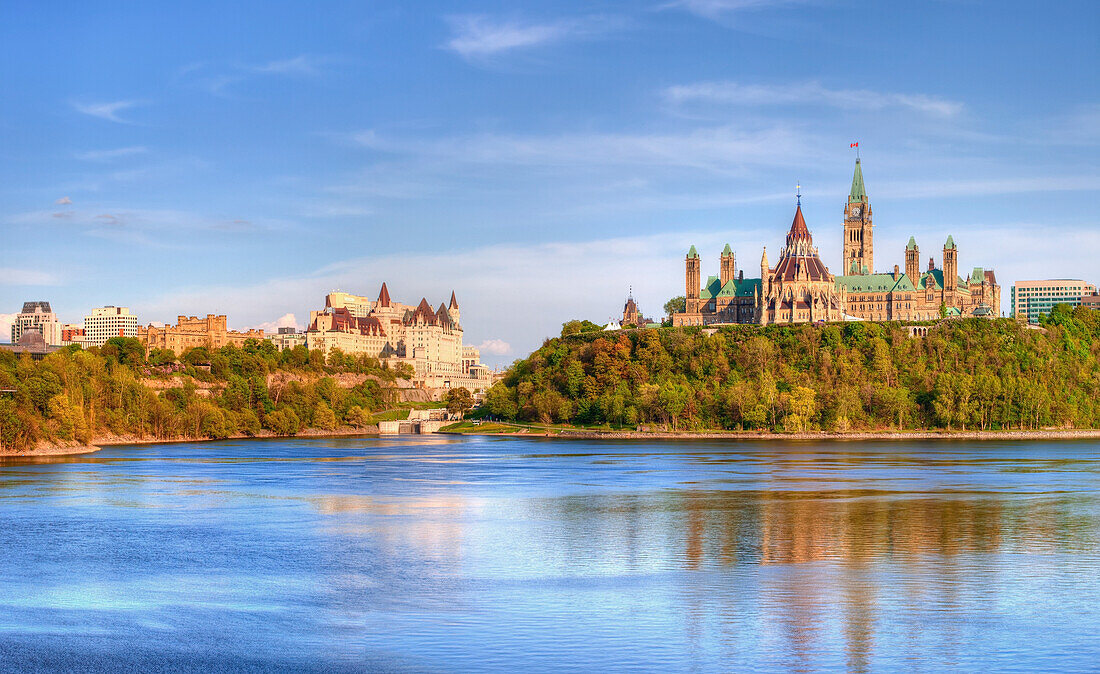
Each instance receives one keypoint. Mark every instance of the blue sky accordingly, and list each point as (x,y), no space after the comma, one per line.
(538,158)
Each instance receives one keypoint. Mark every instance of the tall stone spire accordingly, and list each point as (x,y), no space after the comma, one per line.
(859,242)
(384,296)
(858,193)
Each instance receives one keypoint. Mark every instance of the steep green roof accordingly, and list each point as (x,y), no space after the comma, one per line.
(950,245)
(858,193)
(733,288)
(978,275)
(912,245)
(692,252)
(727,251)
(874,283)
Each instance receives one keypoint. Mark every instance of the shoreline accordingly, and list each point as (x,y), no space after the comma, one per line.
(580,434)
(51,449)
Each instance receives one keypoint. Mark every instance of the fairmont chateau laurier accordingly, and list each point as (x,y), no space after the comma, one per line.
(801,289)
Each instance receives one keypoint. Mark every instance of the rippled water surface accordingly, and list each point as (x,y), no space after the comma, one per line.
(511,554)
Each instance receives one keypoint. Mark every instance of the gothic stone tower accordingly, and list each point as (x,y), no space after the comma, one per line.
(858,236)
(950,271)
(691,282)
(727,266)
(912,261)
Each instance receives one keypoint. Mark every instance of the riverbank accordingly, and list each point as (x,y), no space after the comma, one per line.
(515,430)
(54,449)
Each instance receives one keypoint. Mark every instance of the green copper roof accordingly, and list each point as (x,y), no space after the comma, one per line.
(727,251)
(978,275)
(858,193)
(912,245)
(733,288)
(950,245)
(872,283)
(692,252)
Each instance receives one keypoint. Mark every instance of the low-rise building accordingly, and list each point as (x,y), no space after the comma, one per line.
(107,322)
(37,317)
(1032,299)
(189,332)
(33,343)
(287,338)
(1091,302)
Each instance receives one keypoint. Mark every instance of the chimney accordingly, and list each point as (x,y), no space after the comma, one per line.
(897,273)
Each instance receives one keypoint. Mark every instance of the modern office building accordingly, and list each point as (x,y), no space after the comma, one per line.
(107,322)
(37,317)
(1031,299)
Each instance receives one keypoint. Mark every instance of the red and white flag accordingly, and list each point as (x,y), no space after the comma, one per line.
(854,145)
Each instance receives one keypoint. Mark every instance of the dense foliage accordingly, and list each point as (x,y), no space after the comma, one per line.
(965,374)
(75,396)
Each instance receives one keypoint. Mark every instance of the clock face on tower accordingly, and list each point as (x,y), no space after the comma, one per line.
(855,211)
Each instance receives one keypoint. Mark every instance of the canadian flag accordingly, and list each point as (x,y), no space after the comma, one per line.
(854,145)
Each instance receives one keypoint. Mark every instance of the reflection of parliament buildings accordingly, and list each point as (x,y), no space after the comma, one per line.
(800,288)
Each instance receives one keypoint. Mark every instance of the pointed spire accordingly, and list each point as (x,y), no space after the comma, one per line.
(384,296)
(692,252)
(858,193)
(912,245)
(764,259)
(950,245)
(454,302)
(727,251)
(799,231)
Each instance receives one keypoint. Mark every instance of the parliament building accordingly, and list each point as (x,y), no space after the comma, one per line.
(801,289)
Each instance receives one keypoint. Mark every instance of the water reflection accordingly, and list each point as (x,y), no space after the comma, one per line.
(520,554)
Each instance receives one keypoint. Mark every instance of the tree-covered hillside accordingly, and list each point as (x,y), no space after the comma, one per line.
(965,374)
(74,395)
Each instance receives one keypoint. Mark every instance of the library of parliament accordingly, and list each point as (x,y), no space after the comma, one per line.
(801,289)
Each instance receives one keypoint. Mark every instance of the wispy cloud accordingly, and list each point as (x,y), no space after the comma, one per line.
(64,201)
(715,9)
(107,111)
(109,155)
(27,277)
(808,93)
(303,64)
(478,37)
(218,78)
(720,148)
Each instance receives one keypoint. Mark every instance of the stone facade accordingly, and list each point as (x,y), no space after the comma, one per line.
(190,332)
(801,289)
(430,341)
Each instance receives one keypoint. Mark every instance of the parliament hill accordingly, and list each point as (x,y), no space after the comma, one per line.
(799,288)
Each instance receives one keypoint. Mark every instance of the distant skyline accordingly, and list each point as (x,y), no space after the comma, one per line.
(536,159)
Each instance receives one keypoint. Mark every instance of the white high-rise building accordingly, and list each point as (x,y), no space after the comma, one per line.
(37,317)
(107,322)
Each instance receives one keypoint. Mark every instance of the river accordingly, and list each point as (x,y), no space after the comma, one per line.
(460,554)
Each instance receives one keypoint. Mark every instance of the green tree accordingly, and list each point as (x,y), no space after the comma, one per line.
(459,400)
(676,305)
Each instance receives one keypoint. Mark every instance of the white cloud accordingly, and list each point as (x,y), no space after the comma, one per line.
(478,37)
(496,347)
(807,93)
(108,155)
(5,327)
(27,277)
(287,320)
(64,201)
(108,111)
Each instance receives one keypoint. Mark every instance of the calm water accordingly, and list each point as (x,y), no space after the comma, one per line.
(499,554)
